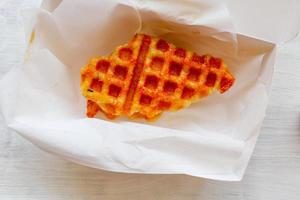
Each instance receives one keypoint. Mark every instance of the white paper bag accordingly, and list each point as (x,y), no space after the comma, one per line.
(213,138)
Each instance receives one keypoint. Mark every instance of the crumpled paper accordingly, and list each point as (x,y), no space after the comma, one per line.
(213,138)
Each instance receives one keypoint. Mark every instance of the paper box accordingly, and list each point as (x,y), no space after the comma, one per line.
(213,138)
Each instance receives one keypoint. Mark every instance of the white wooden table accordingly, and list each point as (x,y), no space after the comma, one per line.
(26,172)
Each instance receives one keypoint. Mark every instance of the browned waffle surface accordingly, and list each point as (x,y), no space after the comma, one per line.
(148,76)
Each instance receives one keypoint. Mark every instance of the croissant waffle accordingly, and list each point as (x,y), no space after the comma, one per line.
(147,76)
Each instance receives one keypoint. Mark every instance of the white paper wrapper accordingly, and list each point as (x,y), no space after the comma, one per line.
(213,138)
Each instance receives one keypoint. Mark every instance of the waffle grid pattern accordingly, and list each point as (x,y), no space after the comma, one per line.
(158,75)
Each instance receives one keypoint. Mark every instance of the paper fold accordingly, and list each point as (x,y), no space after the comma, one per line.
(273,21)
